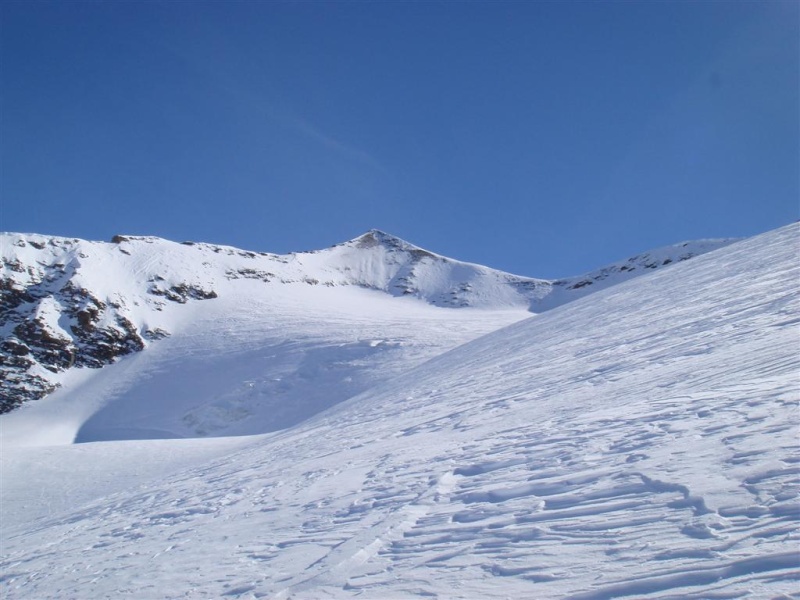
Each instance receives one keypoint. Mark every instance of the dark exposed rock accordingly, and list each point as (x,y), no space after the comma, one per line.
(118,239)
(182,292)
(13,347)
(155,334)
(102,346)
(250,274)
(53,352)
(18,390)
(580,284)
(13,296)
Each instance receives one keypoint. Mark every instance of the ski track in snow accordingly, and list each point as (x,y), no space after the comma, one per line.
(642,442)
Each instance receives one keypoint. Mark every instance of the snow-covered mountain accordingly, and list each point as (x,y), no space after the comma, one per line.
(69,303)
(638,442)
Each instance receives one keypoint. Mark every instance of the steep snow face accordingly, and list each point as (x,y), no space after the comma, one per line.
(380,261)
(69,303)
(640,442)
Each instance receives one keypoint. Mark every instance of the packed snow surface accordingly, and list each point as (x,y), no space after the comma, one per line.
(641,441)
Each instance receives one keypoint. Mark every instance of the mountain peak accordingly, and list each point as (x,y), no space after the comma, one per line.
(376,237)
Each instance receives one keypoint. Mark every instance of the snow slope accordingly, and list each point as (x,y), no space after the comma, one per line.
(639,442)
(235,371)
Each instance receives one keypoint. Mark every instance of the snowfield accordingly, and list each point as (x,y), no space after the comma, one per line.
(340,441)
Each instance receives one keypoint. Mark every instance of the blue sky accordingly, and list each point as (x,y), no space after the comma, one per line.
(542,138)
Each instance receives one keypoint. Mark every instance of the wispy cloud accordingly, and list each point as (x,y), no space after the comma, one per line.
(256,104)
(312,132)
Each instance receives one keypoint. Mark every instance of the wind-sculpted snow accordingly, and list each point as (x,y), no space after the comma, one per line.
(640,443)
(69,303)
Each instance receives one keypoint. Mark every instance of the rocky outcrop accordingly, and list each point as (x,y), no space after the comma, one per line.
(50,323)
(180,293)
(52,329)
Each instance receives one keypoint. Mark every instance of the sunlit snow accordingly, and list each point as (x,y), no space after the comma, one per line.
(641,441)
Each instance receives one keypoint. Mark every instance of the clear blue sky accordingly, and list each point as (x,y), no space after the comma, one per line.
(542,138)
